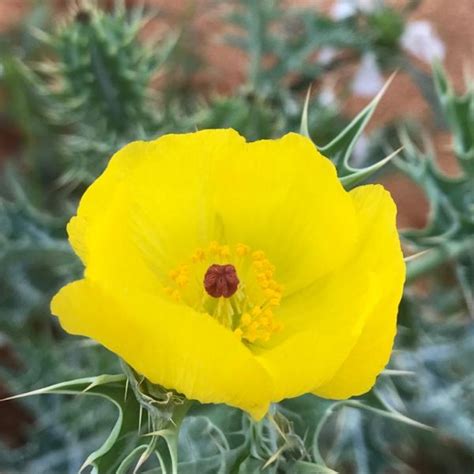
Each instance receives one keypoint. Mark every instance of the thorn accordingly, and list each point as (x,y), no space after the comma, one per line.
(274,457)
(359,174)
(360,121)
(416,256)
(397,373)
(126,389)
(140,415)
(304,116)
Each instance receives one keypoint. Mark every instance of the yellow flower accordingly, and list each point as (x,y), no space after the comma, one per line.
(238,273)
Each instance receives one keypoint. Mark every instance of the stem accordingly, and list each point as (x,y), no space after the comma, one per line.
(437,256)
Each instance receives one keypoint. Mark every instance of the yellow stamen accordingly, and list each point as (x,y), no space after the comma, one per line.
(199,255)
(241,250)
(250,318)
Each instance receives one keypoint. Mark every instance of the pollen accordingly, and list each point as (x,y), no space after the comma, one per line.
(241,250)
(258,326)
(180,275)
(224,251)
(214,247)
(199,255)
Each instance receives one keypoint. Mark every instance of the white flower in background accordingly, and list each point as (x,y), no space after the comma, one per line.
(368,79)
(420,39)
(360,151)
(326,55)
(327,96)
(343,9)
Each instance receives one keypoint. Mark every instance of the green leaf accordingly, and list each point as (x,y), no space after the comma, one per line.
(340,148)
(111,387)
(459,114)
(124,466)
(213,438)
(428,260)
(358,175)
(255,466)
(168,453)
(305,413)
(303,467)
(123,434)
(71,387)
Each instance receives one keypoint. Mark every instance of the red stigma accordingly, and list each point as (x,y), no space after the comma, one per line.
(221,280)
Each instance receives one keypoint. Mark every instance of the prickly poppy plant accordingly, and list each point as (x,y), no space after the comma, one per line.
(234,272)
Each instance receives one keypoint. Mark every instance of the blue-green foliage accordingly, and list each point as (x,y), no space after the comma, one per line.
(93,94)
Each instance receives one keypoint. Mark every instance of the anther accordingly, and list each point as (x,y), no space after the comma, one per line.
(221,280)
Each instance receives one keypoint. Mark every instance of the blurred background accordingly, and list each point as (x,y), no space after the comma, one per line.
(79,79)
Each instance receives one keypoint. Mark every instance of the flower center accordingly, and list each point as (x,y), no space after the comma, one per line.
(221,280)
(233,284)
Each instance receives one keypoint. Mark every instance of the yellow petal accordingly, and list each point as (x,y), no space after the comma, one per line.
(170,344)
(100,232)
(339,332)
(283,196)
(381,252)
(321,325)
(159,201)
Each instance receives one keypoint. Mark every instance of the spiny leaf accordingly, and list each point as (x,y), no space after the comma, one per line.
(303,467)
(392,414)
(71,386)
(358,175)
(340,148)
(448,250)
(123,467)
(110,387)
(415,256)
(450,215)
(385,411)
(168,457)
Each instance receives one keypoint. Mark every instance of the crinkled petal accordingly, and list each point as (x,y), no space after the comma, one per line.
(283,196)
(100,232)
(321,325)
(339,332)
(158,201)
(336,254)
(381,252)
(170,344)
